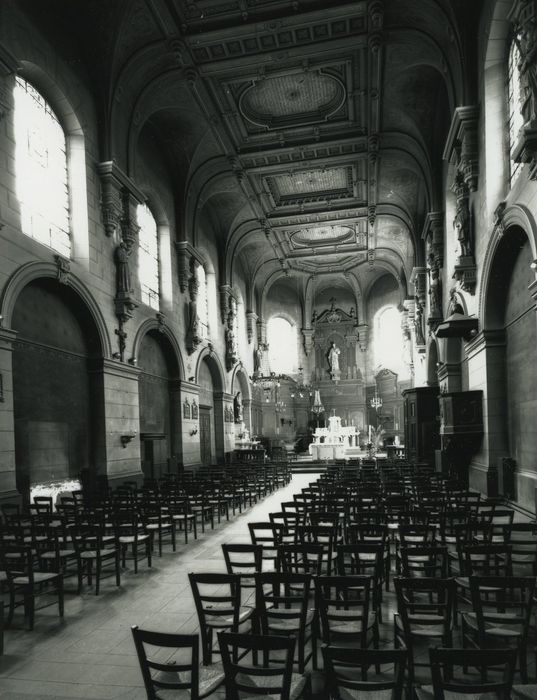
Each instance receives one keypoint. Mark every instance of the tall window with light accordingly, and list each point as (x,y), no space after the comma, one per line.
(516,120)
(148,257)
(389,344)
(203,307)
(41,169)
(283,346)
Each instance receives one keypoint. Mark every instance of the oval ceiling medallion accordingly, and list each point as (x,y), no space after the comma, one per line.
(287,100)
(322,235)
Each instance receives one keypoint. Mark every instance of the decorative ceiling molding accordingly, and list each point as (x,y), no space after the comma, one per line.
(305,97)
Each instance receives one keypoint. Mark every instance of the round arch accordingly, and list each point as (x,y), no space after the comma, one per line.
(215,366)
(516,219)
(35,270)
(173,347)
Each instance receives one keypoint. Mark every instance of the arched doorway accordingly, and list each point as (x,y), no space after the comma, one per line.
(211,413)
(59,432)
(511,330)
(159,422)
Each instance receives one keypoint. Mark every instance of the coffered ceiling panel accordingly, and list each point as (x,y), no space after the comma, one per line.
(310,186)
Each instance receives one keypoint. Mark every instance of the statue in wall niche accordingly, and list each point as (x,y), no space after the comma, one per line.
(237,408)
(123,275)
(454,306)
(258,359)
(418,323)
(462,222)
(333,358)
(435,287)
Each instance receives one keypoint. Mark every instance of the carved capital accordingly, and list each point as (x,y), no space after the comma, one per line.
(193,282)
(433,235)
(119,199)
(251,319)
(224,292)
(183,264)
(308,334)
(64,268)
(466,274)
(419,279)
(462,145)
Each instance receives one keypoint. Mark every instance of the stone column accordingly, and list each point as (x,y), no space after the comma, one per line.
(8,487)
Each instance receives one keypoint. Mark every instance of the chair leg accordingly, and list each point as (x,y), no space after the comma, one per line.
(97,574)
(61,606)
(118,570)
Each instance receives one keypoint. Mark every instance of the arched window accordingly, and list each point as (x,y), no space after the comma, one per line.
(148,259)
(41,169)
(283,346)
(389,343)
(516,120)
(203,306)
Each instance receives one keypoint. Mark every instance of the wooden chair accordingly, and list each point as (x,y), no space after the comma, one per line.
(449,670)
(344,610)
(273,678)
(348,676)
(425,615)
(364,559)
(92,546)
(131,532)
(217,598)
(22,579)
(501,615)
(269,536)
(424,561)
(163,674)
(246,560)
(300,559)
(282,604)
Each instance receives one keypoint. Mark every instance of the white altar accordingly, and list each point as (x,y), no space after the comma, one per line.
(334,442)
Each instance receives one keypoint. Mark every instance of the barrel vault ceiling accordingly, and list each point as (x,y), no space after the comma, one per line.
(304,137)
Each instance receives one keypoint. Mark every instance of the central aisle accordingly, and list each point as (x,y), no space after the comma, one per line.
(90,654)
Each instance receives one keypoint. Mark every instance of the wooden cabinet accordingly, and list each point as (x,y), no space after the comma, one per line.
(422,424)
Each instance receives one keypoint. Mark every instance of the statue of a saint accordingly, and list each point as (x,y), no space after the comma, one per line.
(123,276)
(333,358)
(462,222)
(435,288)
(418,323)
(237,408)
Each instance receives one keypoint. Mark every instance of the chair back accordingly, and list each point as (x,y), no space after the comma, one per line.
(347,671)
(424,561)
(242,678)
(449,671)
(300,559)
(243,559)
(502,602)
(216,597)
(161,673)
(344,604)
(425,602)
(282,600)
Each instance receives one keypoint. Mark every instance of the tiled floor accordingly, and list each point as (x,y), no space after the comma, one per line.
(90,653)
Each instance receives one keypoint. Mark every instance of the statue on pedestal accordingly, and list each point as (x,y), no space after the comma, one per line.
(237,408)
(333,359)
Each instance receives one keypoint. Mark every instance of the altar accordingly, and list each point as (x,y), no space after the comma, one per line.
(334,442)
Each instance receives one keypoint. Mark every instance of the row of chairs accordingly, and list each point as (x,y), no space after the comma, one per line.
(42,546)
(302,598)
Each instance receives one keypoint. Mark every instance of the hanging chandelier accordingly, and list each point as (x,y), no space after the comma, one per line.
(301,389)
(376,401)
